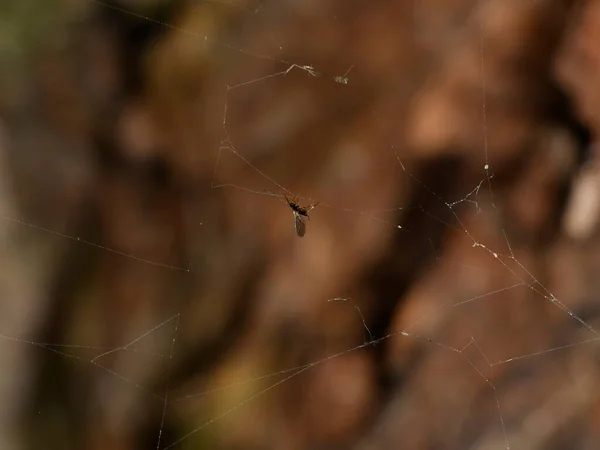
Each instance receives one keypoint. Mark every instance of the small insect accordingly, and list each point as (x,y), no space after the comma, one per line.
(299,213)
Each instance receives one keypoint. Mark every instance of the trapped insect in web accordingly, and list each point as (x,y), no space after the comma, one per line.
(299,213)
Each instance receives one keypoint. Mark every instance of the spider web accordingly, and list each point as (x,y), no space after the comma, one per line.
(453,334)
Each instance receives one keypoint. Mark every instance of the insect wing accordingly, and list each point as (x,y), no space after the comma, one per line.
(299,224)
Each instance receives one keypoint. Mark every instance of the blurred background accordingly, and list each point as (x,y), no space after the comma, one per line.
(155,295)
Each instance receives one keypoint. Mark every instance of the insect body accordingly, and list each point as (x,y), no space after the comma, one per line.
(299,213)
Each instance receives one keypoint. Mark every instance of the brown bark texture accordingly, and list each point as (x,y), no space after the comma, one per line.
(154,291)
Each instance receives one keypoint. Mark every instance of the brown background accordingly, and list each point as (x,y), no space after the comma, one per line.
(110,133)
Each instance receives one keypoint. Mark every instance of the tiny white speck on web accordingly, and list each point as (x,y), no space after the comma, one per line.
(442,322)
